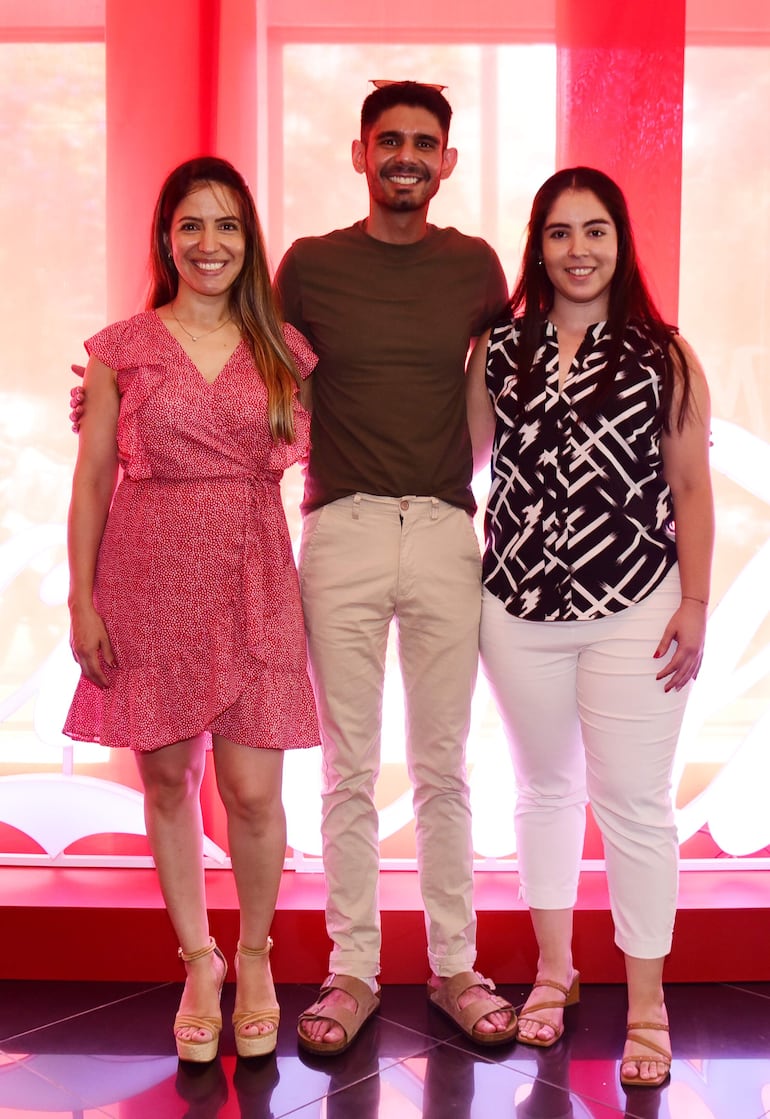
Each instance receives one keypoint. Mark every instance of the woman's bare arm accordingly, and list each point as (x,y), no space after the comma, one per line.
(92,488)
(686,469)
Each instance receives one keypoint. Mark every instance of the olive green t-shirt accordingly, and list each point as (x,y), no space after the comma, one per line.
(391,325)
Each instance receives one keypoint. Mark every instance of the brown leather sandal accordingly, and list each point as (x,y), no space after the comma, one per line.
(191,1049)
(529,1013)
(256,1045)
(660,1055)
(446,998)
(350,1021)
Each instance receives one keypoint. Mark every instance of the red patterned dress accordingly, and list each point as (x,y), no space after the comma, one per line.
(195,577)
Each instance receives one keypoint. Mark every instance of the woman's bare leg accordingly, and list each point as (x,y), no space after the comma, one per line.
(172,779)
(249,783)
(553,932)
(646,1003)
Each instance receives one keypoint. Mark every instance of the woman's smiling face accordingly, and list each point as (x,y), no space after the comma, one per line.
(580,250)
(206,239)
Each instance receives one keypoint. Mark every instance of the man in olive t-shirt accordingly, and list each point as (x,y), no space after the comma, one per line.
(390,306)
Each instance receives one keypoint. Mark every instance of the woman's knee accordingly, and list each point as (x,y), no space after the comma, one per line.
(242,797)
(256,806)
(171,776)
(250,784)
(636,819)
(632,794)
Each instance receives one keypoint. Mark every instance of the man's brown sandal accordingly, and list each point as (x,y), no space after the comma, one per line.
(349,1021)
(446,998)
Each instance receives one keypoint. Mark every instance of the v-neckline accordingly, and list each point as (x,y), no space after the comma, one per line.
(178,344)
(552,333)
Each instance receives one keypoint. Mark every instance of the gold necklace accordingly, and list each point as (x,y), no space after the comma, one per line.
(197,337)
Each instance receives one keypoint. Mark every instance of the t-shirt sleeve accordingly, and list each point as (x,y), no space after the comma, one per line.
(496,295)
(289,292)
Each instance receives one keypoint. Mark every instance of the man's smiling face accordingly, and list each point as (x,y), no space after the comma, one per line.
(404,158)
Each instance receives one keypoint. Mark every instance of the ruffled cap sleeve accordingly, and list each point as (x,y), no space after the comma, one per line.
(122,345)
(131,348)
(301,350)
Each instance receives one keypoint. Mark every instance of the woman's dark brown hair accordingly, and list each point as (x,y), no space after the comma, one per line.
(629,298)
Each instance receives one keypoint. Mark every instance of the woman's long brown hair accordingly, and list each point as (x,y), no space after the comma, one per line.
(252,302)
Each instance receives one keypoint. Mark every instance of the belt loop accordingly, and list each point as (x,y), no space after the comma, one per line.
(434,509)
(356,506)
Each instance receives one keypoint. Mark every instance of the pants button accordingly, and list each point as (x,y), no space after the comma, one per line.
(403,505)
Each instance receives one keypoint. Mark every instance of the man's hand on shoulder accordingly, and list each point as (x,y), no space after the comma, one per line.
(77,398)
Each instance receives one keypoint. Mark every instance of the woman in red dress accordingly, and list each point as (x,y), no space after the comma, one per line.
(184,601)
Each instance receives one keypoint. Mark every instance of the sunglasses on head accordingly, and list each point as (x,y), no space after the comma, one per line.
(381,83)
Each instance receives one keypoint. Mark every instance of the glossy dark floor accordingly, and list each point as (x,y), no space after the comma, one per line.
(94,1049)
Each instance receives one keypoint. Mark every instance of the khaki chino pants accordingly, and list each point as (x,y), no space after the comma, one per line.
(365,561)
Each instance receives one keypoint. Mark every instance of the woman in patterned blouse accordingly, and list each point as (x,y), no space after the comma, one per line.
(596,414)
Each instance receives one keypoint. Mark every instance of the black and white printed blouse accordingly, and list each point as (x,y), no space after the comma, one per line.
(579,518)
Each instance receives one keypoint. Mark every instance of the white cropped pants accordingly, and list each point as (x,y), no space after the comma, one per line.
(587,720)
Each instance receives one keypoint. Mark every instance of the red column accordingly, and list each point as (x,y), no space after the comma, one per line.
(155,119)
(620,88)
(181,82)
(236,122)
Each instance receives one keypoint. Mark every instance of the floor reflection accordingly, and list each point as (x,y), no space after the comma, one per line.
(94,1050)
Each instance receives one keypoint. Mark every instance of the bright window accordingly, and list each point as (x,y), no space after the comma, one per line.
(314,63)
(52,257)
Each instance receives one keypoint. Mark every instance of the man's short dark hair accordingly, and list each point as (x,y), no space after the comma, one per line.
(414,94)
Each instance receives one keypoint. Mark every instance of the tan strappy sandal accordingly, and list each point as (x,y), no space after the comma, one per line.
(570,995)
(191,1049)
(256,1045)
(659,1055)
